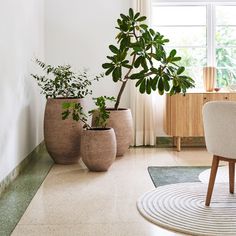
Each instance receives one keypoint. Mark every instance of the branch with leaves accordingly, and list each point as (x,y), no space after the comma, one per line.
(61,81)
(75,111)
(140,55)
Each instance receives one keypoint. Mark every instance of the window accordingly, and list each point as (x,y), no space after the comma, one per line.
(204,34)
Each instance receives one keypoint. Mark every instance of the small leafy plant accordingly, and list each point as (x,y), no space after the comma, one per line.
(75,110)
(140,55)
(61,81)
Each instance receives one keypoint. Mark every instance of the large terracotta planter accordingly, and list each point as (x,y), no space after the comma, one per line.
(98,148)
(122,123)
(62,137)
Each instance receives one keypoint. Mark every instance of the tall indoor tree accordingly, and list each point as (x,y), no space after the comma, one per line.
(140,55)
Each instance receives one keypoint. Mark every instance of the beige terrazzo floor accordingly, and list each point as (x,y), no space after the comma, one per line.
(74,201)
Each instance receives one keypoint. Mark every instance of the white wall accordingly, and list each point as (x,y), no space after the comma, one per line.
(78,32)
(21,110)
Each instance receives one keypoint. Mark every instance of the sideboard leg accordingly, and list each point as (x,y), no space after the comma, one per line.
(178,142)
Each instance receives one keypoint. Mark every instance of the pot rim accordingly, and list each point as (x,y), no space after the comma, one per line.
(119,109)
(61,98)
(98,129)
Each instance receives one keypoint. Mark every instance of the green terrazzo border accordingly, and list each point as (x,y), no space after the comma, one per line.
(19,193)
(14,173)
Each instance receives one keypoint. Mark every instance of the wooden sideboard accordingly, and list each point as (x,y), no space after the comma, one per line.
(183,113)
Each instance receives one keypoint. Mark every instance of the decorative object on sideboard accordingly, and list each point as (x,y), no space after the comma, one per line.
(209,75)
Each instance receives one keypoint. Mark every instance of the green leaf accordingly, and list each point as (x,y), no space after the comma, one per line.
(154,70)
(107,65)
(137,76)
(137,62)
(116,74)
(139,82)
(176,59)
(124,43)
(160,84)
(142,87)
(124,26)
(65,105)
(142,18)
(173,53)
(152,32)
(180,70)
(154,83)
(143,26)
(144,63)
(148,87)
(114,49)
(131,13)
(108,72)
(166,85)
(127,66)
(124,17)
(110,58)
(65,114)
(136,15)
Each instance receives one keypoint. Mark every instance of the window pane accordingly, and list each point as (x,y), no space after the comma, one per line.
(226,35)
(184,36)
(225,15)
(226,64)
(226,57)
(196,73)
(225,77)
(179,15)
(192,57)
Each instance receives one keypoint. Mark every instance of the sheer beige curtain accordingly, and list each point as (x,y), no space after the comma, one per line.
(143,106)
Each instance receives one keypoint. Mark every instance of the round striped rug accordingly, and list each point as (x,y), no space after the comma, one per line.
(181,207)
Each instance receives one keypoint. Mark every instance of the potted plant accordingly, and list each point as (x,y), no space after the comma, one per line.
(140,56)
(98,144)
(60,84)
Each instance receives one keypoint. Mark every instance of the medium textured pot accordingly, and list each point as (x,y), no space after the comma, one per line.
(98,148)
(62,137)
(122,123)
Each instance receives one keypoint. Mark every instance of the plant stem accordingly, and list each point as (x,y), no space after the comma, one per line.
(124,84)
(86,124)
(119,94)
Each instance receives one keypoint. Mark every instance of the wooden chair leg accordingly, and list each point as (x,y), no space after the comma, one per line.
(214,168)
(231,176)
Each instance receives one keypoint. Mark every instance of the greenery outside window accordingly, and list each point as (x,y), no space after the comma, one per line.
(204,34)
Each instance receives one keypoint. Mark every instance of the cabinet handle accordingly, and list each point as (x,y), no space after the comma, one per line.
(226,98)
(204,98)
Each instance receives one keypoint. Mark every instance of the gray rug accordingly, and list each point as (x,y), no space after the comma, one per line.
(164,175)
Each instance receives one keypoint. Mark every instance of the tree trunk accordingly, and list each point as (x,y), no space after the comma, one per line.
(120,94)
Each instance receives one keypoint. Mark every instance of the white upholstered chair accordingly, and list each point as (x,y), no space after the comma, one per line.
(219,119)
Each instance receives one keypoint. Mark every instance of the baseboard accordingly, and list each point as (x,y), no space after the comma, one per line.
(18,169)
(167,142)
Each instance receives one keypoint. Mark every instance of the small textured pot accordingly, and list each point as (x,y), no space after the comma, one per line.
(122,123)
(62,137)
(98,148)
